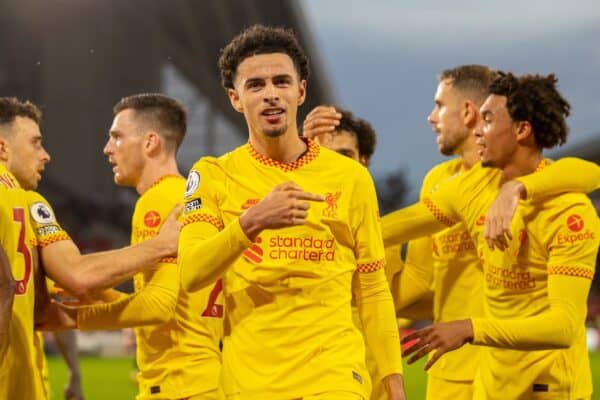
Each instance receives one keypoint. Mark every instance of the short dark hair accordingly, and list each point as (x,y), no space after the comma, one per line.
(260,39)
(536,99)
(167,113)
(365,134)
(11,108)
(474,79)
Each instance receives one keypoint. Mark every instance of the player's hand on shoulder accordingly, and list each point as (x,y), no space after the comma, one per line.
(286,205)
(170,229)
(500,214)
(320,122)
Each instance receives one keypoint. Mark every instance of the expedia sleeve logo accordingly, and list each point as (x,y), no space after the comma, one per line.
(152,219)
(41,213)
(193,205)
(193,181)
(576,232)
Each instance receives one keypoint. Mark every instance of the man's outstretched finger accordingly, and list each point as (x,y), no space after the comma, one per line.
(310,196)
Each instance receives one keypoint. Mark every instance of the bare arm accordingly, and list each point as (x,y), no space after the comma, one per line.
(85,275)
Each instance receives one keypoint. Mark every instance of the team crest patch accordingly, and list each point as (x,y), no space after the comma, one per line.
(331,200)
(41,213)
(152,219)
(193,181)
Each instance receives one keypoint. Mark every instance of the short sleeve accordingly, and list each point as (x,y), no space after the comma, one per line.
(46,228)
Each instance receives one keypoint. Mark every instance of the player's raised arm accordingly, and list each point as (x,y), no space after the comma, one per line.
(410,223)
(554,179)
(85,275)
(207,248)
(571,267)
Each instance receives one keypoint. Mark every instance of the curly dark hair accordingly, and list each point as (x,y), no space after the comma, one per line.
(166,113)
(536,99)
(260,39)
(11,108)
(472,78)
(365,134)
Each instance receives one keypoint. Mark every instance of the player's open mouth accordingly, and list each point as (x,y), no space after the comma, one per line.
(272,111)
(273,114)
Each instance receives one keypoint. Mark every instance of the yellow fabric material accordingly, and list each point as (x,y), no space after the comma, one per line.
(19,376)
(46,227)
(393,267)
(530,289)
(289,329)
(558,178)
(42,363)
(375,305)
(178,352)
(334,396)
(443,389)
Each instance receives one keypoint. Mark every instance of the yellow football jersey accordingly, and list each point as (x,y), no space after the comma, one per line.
(288,329)
(19,377)
(553,253)
(181,357)
(457,280)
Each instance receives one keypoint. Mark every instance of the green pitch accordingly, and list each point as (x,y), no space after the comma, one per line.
(109,378)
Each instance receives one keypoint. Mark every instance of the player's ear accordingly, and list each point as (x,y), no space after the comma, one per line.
(302,90)
(470,113)
(523,130)
(234,98)
(152,141)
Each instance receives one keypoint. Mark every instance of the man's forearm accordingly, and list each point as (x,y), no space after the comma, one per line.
(409,223)
(203,261)
(376,310)
(84,275)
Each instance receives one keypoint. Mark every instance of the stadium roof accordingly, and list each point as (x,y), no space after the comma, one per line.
(77,58)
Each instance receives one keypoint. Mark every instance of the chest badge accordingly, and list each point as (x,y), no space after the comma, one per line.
(331,200)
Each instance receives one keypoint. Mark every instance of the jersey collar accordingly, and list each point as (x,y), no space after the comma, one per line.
(311,153)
